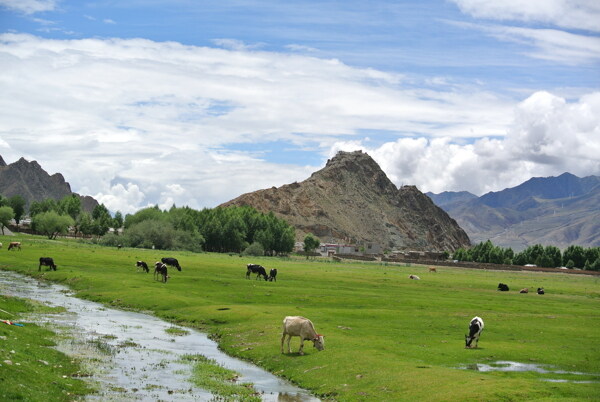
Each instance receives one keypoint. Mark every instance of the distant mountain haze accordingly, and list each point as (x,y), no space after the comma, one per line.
(557,211)
(351,200)
(33,183)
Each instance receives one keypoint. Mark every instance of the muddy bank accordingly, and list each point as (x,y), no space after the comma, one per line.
(131,355)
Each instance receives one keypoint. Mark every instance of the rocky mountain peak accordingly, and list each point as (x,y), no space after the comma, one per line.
(33,183)
(352,200)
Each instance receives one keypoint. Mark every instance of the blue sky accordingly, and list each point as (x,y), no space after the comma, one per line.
(193,103)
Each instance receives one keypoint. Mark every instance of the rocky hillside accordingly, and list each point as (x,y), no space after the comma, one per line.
(557,211)
(351,200)
(33,183)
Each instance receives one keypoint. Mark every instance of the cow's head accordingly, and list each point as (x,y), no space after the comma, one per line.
(319,342)
(468,341)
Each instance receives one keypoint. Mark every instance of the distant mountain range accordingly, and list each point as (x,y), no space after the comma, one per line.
(558,211)
(33,183)
(351,200)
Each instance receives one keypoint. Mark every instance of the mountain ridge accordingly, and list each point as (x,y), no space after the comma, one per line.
(559,211)
(352,200)
(33,183)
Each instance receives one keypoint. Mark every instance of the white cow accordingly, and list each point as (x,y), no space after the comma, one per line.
(304,328)
(475,328)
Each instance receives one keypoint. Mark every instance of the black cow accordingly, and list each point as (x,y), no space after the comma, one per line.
(143,266)
(540,291)
(256,269)
(503,287)
(161,269)
(273,275)
(172,262)
(48,262)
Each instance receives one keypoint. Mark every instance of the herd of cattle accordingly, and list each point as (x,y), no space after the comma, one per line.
(292,325)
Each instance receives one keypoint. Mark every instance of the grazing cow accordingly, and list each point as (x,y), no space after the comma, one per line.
(15,245)
(119,246)
(259,270)
(415,277)
(160,269)
(273,275)
(432,269)
(524,290)
(503,287)
(143,266)
(304,328)
(475,328)
(172,262)
(48,262)
(540,291)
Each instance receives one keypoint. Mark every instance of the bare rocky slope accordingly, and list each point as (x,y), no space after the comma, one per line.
(33,183)
(351,200)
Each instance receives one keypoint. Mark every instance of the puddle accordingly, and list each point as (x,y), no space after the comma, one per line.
(133,357)
(509,366)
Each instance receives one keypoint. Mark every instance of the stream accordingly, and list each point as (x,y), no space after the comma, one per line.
(133,357)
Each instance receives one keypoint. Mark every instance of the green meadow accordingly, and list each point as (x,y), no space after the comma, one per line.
(387,338)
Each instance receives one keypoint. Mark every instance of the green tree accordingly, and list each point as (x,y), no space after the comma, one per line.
(117,221)
(554,256)
(51,223)
(576,254)
(17,203)
(70,205)
(85,223)
(151,213)
(311,242)
(46,205)
(102,220)
(6,215)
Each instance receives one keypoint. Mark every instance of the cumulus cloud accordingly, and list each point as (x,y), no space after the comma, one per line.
(548,136)
(29,6)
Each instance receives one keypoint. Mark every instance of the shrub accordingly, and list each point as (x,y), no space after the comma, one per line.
(255,249)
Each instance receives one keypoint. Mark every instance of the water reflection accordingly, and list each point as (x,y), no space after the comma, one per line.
(134,358)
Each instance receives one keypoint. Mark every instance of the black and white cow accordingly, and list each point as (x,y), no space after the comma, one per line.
(540,291)
(503,287)
(160,269)
(47,262)
(475,328)
(273,275)
(256,269)
(143,266)
(172,262)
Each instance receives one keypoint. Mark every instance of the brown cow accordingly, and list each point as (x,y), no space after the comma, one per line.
(432,269)
(524,290)
(14,244)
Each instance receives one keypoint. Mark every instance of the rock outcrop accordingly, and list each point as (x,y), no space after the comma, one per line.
(33,183)
(351,200)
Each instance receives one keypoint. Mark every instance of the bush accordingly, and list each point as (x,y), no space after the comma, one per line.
(255,249)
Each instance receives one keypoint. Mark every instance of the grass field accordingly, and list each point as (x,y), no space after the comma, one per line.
(30,369)
(388,338)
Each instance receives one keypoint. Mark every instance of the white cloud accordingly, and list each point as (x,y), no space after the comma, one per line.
(29,6)
(570,14)
(126,199)
(549,136)
(550,44)
(137,122)
(108,21)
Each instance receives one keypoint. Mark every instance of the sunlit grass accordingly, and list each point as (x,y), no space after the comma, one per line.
(387,337)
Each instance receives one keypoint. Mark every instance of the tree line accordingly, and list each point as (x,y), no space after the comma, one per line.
(53,217)
(231,229)
(548,256)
